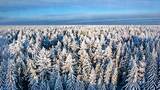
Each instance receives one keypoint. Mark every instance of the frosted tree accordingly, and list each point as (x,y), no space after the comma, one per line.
(11,77)
(97,56)
(69,67)
(79,84)
(32,52)
(96,43)
(74,46)
(52,79)
(25,43)
(3,74)
(58,83)
(86,64)
(88,41)
(100,82)
(40,68)
(54,76)
(44,80)
(158,62)
(102,39)
(71,82)
(132,80)
(20,35)
(83,45)
(125,63)
(101,85)
(108,52)
(43,59)
(151,71)
(69,64)
(5,66)
(33,75)
(64,52)
(46,42)
(98,70)
(38,43)
(92,78)
(107,74)
(0,77)
(141,72)
(21,70)
(53,54)
(158,84)
(118,53)
(114,78)
(65,40)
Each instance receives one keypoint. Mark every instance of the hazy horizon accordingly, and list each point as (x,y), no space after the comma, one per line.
(59,12)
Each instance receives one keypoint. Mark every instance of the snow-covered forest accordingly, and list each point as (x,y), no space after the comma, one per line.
(80,58)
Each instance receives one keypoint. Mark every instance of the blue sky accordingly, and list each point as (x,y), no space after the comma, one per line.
(79,12)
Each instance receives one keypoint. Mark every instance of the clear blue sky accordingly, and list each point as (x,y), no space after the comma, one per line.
(79,12)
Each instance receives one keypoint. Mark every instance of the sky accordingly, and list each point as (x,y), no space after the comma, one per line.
(15,12)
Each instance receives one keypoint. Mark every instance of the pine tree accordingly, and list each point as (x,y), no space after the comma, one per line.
(158,84)
(132,80)
(107,74)
(3,74)
(52,79)
(69,64)
(92,78)
(108,52)
(141,73)
(4,65)
(11,77)
(86,64)
(83,45)
(151,70)
(100,82)
(79,85)
(158,62)
(0,76)
(43,59)
(71,82)
(33,77)
(44,80)
(58,83)
(114,79)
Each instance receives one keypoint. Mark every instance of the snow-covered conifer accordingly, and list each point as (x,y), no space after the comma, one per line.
(92,78)
(132,80)
(58,83)
(71,82)
(151,71)
(11,79)
(79,84)
(108,72)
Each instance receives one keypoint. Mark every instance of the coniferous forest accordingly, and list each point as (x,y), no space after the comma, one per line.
(122,57)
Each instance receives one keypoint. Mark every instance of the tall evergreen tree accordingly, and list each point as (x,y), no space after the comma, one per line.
(151,70)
